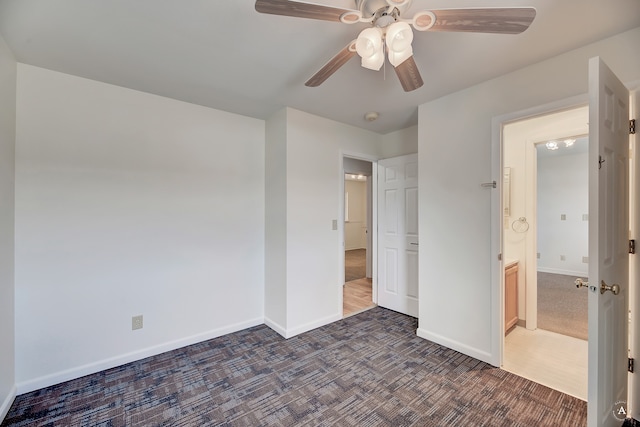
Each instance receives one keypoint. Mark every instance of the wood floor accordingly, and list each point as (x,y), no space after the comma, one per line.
(357,291)
(557,361)
(357,297)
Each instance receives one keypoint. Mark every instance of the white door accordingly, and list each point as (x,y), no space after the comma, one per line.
(608,245)
(398,234)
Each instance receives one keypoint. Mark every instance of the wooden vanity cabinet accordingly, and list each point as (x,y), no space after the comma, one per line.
(510,296)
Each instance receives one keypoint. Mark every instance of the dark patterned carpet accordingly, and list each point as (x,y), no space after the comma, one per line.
(367,370)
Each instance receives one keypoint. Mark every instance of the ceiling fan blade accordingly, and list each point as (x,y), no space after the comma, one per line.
(512,20)
(332,66)
(301,10)
(409,75)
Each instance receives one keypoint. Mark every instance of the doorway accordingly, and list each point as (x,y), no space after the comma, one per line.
(358,214)
(536,346)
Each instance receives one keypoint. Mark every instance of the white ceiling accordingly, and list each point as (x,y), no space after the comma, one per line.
(225,55)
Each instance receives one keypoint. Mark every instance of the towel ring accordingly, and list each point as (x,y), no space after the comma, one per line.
(520,225)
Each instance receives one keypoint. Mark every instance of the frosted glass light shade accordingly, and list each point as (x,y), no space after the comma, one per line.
(369,47)
(399,36)
(398,39)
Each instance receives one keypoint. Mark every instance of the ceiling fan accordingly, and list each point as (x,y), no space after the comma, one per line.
(391,32)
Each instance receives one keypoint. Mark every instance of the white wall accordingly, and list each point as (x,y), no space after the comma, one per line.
(563,189)
(355,236)
(275,296)
(126,204)
(7,155)
(314,198)
(315,147)
(455,142)
(399,143)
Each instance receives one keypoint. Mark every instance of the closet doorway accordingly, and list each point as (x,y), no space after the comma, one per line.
(357,290)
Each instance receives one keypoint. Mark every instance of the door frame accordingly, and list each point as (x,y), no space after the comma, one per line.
(497,234)
(373,231)
(566,127)
(497,266)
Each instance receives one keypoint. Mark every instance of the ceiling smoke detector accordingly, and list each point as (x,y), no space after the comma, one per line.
(371,116)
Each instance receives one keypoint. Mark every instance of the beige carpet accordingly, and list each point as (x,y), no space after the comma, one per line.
(562,308)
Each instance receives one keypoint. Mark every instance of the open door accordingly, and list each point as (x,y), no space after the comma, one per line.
(608,246)
(398,234)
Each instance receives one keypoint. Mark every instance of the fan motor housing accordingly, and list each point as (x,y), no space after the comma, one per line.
(370,7)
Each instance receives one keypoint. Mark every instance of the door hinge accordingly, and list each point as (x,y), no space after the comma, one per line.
(632,246)
(632,127)
(630,365)
(499,257)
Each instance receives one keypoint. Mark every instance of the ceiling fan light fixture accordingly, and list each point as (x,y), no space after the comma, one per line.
(369,47)
(398,40)
(399,36)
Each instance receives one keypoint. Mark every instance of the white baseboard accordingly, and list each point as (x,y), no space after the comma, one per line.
(289,333)
(313,325)
(457,346)
(7,402)
(92,368)
(563,272)
(276,327)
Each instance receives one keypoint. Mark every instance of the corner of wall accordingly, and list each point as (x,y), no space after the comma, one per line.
(280,329)
(8,88)
(458,346)
(6,404)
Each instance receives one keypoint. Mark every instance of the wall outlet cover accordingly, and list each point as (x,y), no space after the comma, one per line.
(136,322)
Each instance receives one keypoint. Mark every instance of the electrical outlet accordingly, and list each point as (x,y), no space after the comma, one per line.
(563,217)
(585,259)
(585,217)
(136,322)
(562,258)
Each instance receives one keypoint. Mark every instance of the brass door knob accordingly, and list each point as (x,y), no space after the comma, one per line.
(615,289)
(581,283)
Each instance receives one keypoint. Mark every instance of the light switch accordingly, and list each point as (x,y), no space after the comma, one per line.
(334,224)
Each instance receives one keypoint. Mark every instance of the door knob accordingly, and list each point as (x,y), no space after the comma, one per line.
(615,289)
(581,283)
